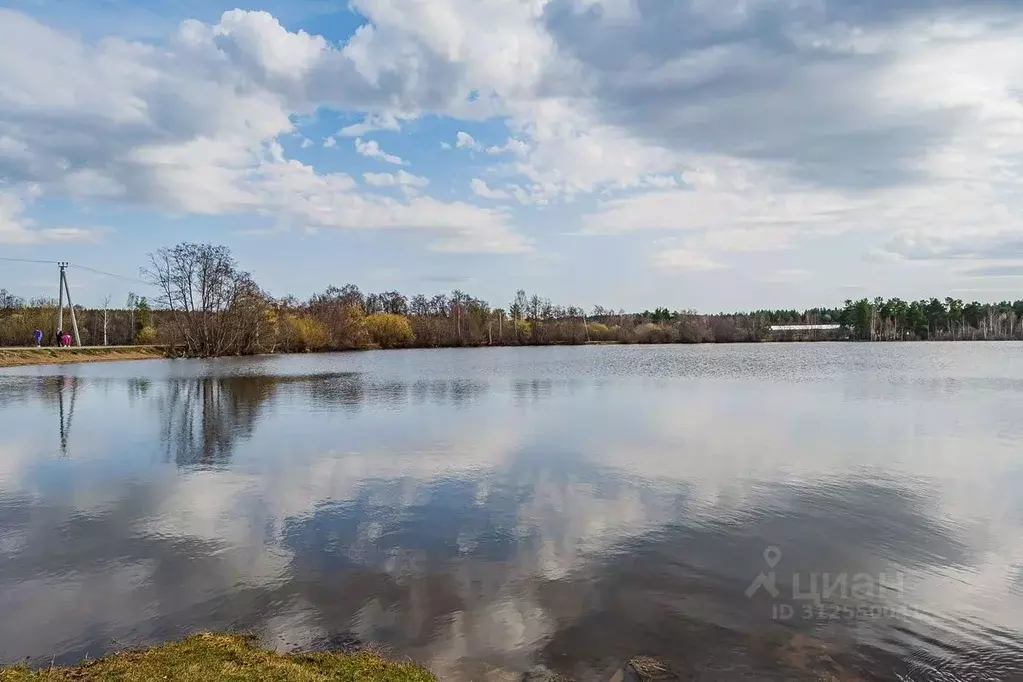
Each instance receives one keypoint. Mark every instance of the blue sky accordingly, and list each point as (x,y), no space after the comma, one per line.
(716,155)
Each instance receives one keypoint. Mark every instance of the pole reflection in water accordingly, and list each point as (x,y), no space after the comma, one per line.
(70,384)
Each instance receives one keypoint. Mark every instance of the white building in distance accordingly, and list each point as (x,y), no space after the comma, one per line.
(805,327)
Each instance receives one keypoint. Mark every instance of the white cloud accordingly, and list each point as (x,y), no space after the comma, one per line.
(734,206)
(893,132)
(399,179)
(683,259)
(513,146)
(747,239)
(661,181)
(192,127)
(914,137)
(497,48)
(372,150)
(261,42)
(901,122)
(480,189)
(18,230)
(787,276)
(525,198)
(573,153)
(329,142)
(615,11)
(306,143)
(374,122)
(331,200)
(467,141)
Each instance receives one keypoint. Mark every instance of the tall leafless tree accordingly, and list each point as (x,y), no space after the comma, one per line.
(215,308)
(106,308)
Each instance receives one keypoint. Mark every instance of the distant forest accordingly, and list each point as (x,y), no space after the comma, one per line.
(206,305)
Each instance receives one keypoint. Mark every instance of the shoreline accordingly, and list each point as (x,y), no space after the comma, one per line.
(26,356)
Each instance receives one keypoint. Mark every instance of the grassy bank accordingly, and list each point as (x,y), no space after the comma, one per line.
(15,357)
(224,657)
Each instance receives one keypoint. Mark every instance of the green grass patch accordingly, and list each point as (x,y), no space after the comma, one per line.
(231,658)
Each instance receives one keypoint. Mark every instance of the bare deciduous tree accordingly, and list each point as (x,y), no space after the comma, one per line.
(132,304)
(106,307)
(215,309)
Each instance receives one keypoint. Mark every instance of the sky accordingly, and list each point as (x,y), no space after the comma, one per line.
(693,154)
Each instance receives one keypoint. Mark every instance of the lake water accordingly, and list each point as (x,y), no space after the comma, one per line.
(763,512)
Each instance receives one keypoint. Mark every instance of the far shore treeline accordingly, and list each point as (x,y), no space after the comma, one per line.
(205,305)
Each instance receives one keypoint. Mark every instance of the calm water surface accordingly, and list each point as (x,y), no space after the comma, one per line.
(769,512)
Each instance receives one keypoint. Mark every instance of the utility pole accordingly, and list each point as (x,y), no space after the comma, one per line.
(60,305)
(62,289)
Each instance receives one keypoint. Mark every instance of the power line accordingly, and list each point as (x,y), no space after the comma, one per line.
(109,274)
(28,260)
(76,265)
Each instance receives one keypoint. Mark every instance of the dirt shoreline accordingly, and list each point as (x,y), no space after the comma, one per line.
(21,357)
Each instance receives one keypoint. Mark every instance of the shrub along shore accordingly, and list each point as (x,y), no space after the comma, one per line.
(204,305)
